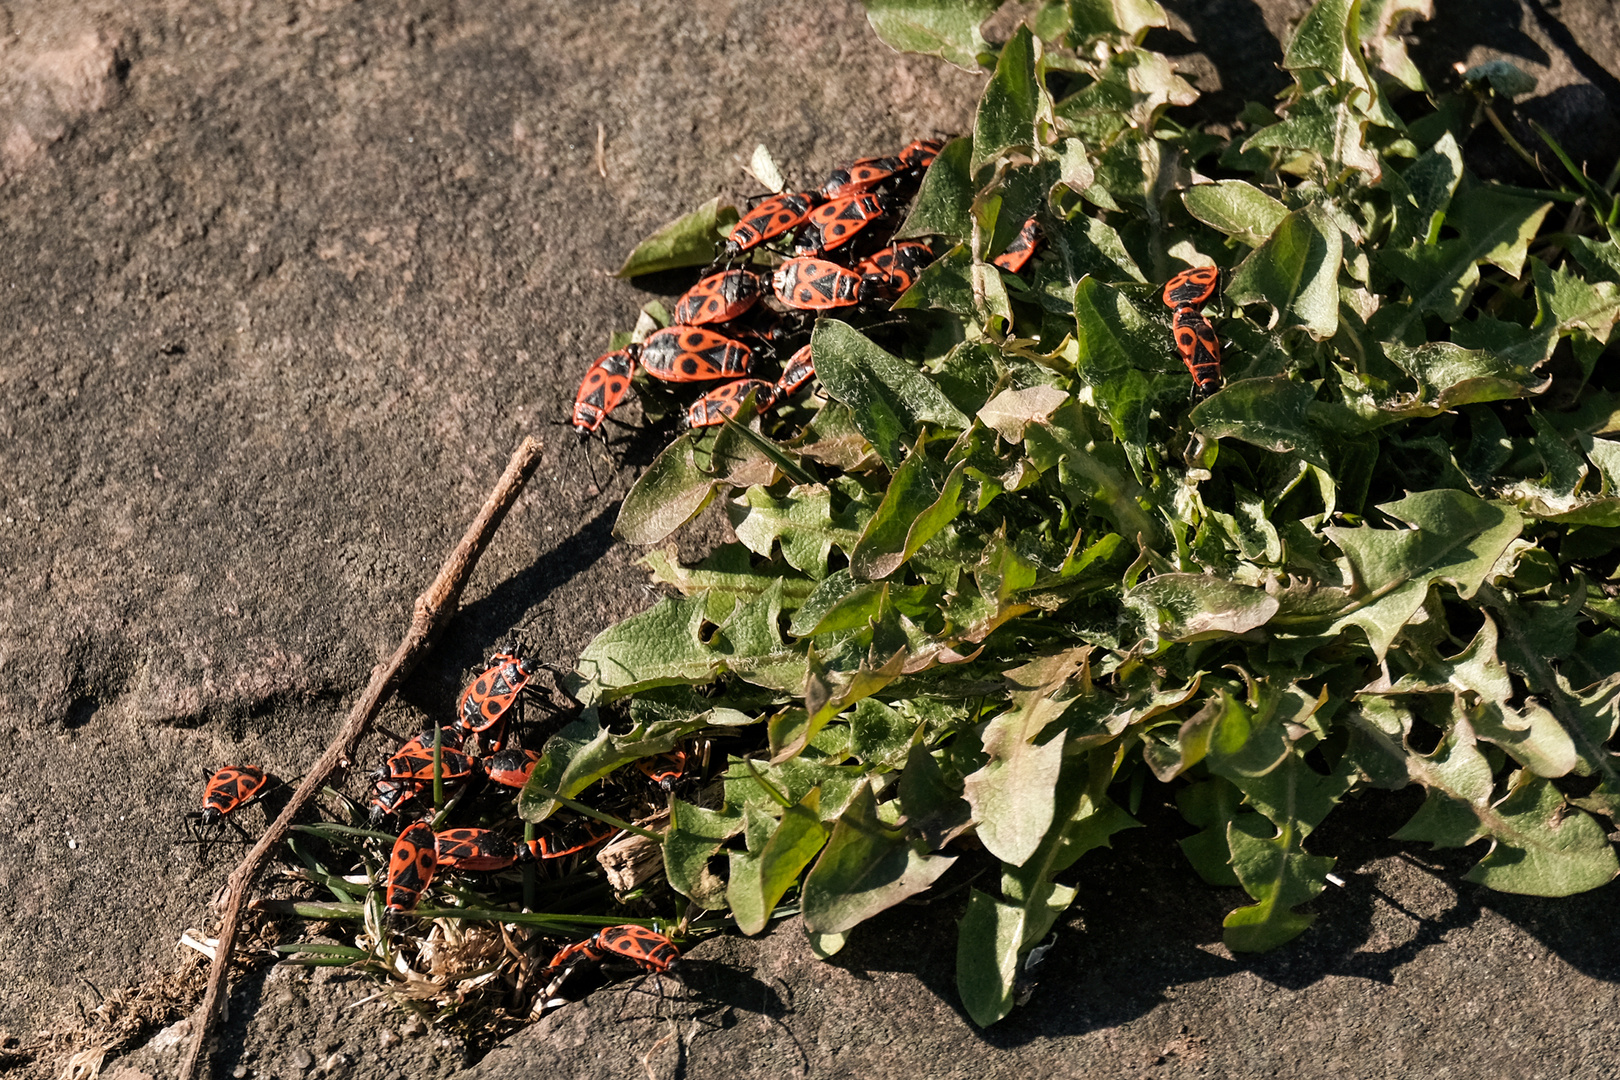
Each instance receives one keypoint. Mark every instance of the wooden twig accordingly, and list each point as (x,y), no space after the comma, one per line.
(432,612)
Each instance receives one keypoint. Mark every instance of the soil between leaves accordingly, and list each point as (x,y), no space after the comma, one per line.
(284,286)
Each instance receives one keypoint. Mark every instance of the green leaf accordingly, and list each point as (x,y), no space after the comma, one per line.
(759,878)
(662,646)
(1235,208)
(1454,537)
(1449,376)
(955,283)
(888,398)
(1379,23)
(1273,414)
(1120,20)
(1083,819)
(1012,104)
(1322,126)
(948,29)
(1503,76)
(1328,39)
(800,521)
(1495,228)
(689,240)
(944,203)
(1458,779)
(988,943)
(672,491)
(695,836)
(582,753)
(1423,192)
(1544,847)
(933,808)
(1296,271)
(1570,304)
(866,867)
(1113,336)
(1211,805)
(1013,794)
(1279,875)
(916,506)
(1191,607)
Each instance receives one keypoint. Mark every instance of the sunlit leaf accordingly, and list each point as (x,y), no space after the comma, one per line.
(1296,272)
(1013,101)
(689,240)
(948,29)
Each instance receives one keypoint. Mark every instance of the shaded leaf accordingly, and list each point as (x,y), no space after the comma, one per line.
(866,867)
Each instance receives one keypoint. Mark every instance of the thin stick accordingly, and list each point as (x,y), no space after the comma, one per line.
(432,612)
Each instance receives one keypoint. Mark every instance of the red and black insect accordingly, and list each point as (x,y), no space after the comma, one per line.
(1018,253)
(390,797)
(718,298)
(725,402)
(835,223)
(665,769)
(422,742)
(411,865)
(1191,288)
(894,269)
(491,697)
(769,219)
(559,841)
(817,285)
(474,849)
(511,767)
(230,787)
(1200,349)
(694,354)
(647,949)
(603,388)
(920,153)
(417,765)
(862,175)
(799,370)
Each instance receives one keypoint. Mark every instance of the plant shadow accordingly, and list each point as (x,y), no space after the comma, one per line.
(1145,924)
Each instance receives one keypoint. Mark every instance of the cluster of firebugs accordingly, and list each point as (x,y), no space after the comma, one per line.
(474,748)
(838,253)
(840,256)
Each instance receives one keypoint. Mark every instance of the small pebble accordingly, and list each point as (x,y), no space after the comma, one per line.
(73,845)
(241,1072)
(302,1059)
(337,1063)
(171,1037)
(388,1037)
(413,1027)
